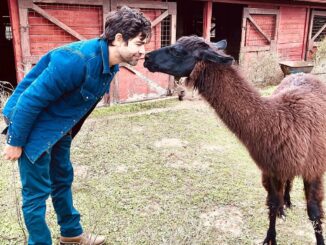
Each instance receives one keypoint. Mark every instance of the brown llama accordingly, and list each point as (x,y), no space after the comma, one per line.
(285,133)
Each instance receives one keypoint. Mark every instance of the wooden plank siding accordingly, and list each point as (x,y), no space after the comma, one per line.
(44,35)
(266,23)
(47,24)
(14,18)
(134,88)
(292,33)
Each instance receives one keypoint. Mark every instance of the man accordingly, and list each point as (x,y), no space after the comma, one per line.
(48,108)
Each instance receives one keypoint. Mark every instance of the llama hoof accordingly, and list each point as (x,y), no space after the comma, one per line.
(283,217)
(281,214)
(288,204)
(269,241)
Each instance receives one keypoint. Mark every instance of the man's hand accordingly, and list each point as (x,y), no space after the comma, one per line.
(12,152)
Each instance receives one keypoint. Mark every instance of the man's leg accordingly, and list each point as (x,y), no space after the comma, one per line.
(36,188)
(61,173)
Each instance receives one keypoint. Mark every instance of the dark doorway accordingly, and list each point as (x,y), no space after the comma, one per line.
(189,18)
(7,58)
(226,24)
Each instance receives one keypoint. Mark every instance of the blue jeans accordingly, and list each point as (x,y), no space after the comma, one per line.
(51,174)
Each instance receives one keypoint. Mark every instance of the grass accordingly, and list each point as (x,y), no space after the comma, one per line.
(174,176)
(133,107)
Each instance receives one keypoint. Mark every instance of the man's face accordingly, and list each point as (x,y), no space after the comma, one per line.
(132,51)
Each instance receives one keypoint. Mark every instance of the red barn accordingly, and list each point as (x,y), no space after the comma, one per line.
(292,28)
(29,28)
(37,26)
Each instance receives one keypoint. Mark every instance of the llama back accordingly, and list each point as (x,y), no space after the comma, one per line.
(302,81)
(301,105)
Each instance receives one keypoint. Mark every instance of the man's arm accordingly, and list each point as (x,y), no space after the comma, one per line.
(65,72)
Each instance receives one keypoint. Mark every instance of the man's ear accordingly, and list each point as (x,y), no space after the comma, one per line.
(118,40)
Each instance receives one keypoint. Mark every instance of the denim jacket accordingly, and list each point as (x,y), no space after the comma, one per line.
(56,94)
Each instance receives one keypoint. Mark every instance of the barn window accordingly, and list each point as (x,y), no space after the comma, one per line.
(8,32)
(319,22)
(7,29)
(318,28)
(166,32)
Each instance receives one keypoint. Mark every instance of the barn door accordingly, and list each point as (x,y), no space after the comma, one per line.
(135,83)
(47,24)
(259,30)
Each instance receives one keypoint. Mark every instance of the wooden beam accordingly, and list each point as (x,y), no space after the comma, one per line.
(173,12)
(152,84)
(105,11)
(255,48)
(274,41)
(32,59)
(311,43)
(269,2)
(114,5)
(24,33)
(320,31)
(243,28)
(79,2)
(160,18)
(207,19)
(258,28)
(319,13)
(14,19)
(143,4)
(311,1)
(57,22)
(263,11)
(305,35)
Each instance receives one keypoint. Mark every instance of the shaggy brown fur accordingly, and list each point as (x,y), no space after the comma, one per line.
(284,133)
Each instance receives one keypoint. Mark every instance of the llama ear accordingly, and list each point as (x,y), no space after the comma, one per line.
(221,45)
(210,55)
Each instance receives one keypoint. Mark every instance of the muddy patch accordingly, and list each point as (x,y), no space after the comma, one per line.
(226,219)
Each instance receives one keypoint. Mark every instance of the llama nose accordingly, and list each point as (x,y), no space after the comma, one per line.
(146,56)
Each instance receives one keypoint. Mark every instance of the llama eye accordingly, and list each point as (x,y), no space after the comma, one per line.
(177,52)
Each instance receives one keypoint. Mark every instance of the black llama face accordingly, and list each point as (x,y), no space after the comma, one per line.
(179,59)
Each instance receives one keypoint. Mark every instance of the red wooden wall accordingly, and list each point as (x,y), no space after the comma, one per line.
(87,20)
(291,33)
(44,35)
(133,88)
(267,24)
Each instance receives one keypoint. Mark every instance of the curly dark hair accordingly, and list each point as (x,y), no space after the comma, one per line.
(129,22)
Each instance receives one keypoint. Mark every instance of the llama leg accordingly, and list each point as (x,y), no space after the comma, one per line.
(274,188)
(287,198)
(314,195)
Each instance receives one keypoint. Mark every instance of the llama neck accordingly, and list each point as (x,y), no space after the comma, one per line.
(237,102)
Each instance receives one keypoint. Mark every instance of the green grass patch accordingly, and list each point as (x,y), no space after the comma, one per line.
(169,177)
(134,107)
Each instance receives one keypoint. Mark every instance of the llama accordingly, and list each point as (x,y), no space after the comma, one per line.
(284,133)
